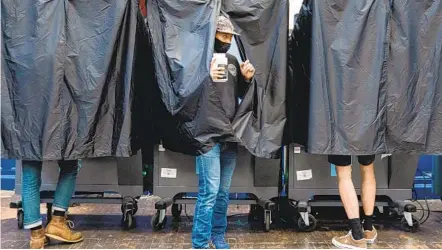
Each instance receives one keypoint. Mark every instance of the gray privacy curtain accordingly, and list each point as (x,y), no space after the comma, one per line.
(192,116)
(373,78)
(69,79)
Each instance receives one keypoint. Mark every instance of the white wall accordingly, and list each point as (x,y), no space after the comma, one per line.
(295,5)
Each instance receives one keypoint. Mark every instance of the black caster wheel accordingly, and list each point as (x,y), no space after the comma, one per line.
(128,221)
(129,203)
(156,224)
(267,222)
(135,207)
(176,211)
(407,228)
(387,212)
(256,213)
(310,228)
(20,218)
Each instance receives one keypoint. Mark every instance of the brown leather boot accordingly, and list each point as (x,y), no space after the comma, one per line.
(58,229)
(38,239)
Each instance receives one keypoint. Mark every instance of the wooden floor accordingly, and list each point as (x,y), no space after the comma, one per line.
(101,225)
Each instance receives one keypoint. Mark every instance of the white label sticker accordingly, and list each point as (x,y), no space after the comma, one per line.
(304,175)
(385,155)
(297,150)
(168,173)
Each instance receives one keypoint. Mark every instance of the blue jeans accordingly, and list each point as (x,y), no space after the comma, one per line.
(31,183)
(215,170)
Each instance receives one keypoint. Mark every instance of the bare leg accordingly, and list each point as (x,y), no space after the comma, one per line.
(368,192)
(354,239)
(347,191)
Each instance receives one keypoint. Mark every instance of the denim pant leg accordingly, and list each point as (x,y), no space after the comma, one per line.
(31,182)
(228,164)
(209,180)
(66,185)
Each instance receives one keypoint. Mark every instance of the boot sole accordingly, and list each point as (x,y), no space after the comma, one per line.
(55,237)
(44,245)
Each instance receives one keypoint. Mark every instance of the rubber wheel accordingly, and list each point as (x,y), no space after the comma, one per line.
(412,229)
(155,222)
(267,223)
(135,207)
(128,221)
(176,210)
(256,213)
(310,228)
(387,212)
(20,219)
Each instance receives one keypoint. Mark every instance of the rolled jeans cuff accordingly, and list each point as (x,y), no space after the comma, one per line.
(33,224)
(59,208)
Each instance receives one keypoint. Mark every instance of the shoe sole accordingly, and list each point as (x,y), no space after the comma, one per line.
(339,245)
(55,237)
(372,241)
(44,245)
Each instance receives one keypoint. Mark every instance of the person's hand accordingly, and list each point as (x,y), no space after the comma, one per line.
(247,70)
(216,72)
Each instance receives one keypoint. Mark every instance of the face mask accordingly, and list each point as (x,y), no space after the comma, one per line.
(221,47)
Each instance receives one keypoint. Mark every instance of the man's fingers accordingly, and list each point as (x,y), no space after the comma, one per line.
(218,71)
(246,65)
(248,68)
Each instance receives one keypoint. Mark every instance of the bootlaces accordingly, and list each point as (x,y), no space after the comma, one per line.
(70,224)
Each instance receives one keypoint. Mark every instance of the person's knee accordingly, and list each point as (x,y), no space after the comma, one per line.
(344,173)
(223,192)
(366,160)
(224,186)
(31,180)
(208,200)
(209,193)
(31,186)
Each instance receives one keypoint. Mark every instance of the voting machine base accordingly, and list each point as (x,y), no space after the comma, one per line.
(100,180)
(313,183)
(254,183)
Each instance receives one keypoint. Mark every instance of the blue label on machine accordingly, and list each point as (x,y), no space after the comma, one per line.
(332,170)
